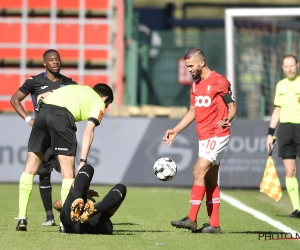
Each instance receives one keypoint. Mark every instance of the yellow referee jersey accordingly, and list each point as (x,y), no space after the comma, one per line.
(82,101)
(287,97)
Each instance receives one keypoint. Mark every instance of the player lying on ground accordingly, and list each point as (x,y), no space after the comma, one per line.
(80,215)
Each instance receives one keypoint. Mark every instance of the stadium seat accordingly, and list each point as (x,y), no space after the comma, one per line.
(5,106)
(11,4)
(38,4)
(10,32)
(38,32)
(68,55)
(35,54)
(10,54)
(96,55)
(91,80)
(9,84)
(28,106)
(96,5)
(67,33)
(68,4)
(96,34)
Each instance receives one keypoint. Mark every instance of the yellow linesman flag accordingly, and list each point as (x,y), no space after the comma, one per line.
(270,184)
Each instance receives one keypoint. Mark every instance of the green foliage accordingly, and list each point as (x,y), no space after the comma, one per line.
(143,222)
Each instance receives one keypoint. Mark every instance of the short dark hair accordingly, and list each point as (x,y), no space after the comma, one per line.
(104,90)
(49,51)
(192,52)
(290,56)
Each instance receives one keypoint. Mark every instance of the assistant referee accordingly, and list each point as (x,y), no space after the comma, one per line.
(287,114)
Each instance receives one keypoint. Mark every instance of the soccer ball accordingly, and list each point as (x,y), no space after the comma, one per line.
(165,169)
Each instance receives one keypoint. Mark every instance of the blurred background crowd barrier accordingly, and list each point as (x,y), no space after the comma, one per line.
(118,156)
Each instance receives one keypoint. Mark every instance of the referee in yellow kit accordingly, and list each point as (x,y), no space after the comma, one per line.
(287,113)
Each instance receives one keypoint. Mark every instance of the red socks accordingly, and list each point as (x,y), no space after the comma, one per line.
(212,205)
(197,194)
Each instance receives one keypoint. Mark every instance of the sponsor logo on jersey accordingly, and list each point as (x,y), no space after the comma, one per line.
(202,101)
(208,89)
(62,85)
(43,87)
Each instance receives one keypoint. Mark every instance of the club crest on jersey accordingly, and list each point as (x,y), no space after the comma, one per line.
(208,89)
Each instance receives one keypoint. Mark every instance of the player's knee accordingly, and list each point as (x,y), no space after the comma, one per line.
(45,178)
(122,189)
(87,168)
(57,205)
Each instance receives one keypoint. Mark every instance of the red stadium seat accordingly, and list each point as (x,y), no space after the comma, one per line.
(68,54)
(95,55)
(65,55)
(9,84)
(91,80)
(96,4)
(11,4)
(10,32)
(5,106)
(35,54)
(10,54)
(38,32)
(96,34)
(38,4)
(68,4)
(28,106)
(67,33)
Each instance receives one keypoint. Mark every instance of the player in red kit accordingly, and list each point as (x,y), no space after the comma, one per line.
(213,108)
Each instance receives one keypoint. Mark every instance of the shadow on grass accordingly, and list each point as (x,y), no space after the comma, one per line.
(254,232)
(133,232)
(125,224)
(286,216)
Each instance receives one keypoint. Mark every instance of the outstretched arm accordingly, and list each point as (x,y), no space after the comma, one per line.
(185,122)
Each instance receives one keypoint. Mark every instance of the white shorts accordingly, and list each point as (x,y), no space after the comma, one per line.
(212,149)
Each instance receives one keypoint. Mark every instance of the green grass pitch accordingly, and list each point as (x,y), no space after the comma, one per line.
(143,222)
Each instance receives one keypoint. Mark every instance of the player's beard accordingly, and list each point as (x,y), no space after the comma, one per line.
(196,76)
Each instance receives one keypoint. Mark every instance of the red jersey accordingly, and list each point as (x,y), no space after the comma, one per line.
(206,96)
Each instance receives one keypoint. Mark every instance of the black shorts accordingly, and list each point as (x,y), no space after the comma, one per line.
(49,163)
(288,138)
(53,126)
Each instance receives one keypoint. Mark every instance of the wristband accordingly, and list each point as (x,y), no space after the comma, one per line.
(83,160)
(28,119)
(271,131)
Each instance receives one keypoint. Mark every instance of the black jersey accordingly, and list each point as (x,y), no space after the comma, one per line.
(40,84)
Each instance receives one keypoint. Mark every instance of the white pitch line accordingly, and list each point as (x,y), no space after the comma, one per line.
(236,203)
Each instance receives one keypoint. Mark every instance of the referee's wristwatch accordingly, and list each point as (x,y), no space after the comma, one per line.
(84,160)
